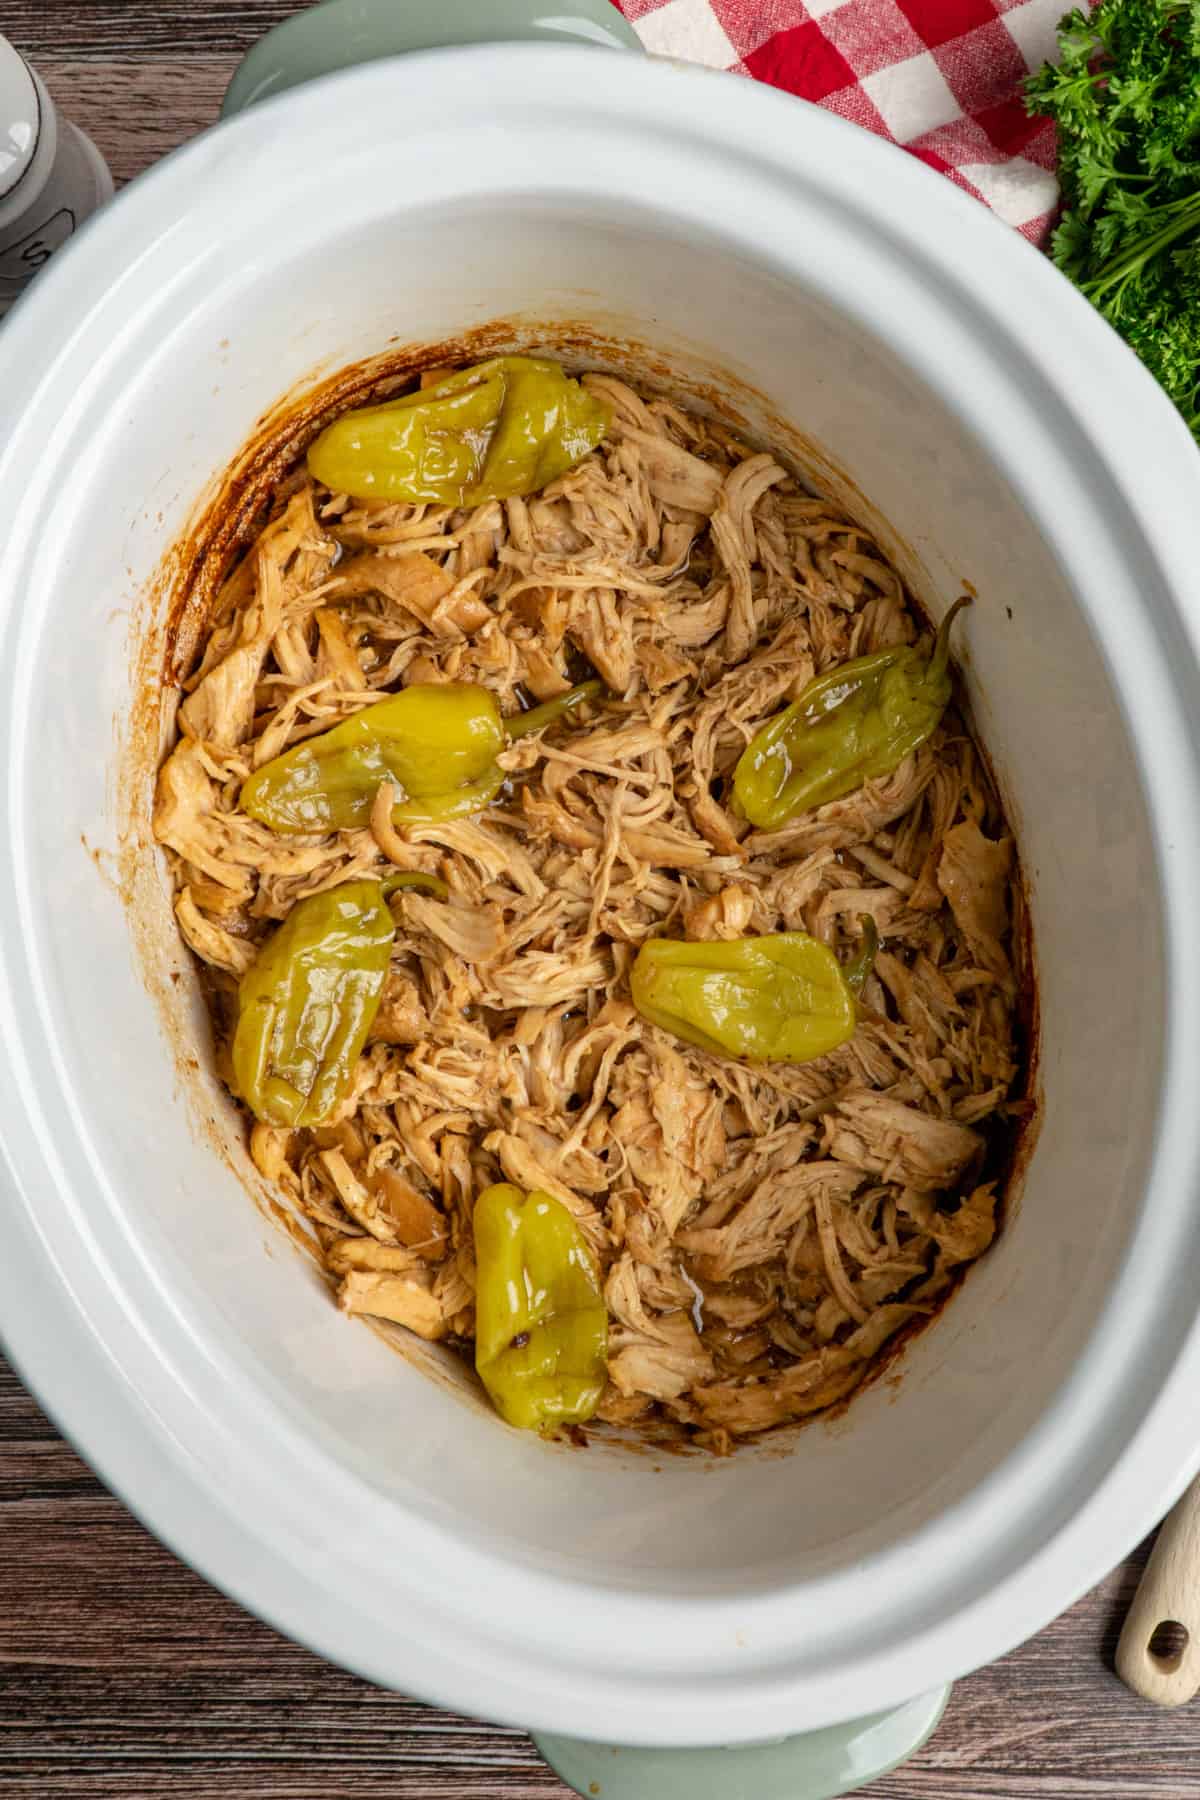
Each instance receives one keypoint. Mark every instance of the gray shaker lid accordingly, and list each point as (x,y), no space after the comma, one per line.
(20,118)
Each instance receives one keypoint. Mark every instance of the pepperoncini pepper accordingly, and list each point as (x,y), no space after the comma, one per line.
(858,720)
(307,1002)
(502,428)
(437,741)
(783,998)
(541,1325)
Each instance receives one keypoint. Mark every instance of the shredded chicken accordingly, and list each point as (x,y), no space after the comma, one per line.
(763,1232)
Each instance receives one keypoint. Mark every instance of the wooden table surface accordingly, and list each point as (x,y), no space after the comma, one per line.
(122,1675)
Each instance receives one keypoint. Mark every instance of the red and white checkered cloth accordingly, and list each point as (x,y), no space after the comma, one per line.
(940,77)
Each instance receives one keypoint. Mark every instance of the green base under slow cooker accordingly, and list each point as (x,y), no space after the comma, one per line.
(816,1765)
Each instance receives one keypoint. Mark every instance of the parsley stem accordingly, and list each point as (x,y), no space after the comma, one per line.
(1135,257)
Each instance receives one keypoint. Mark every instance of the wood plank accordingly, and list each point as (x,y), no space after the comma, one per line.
(138,111)
(107,28)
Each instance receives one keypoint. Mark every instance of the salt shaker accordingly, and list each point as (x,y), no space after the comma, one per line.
(51,176)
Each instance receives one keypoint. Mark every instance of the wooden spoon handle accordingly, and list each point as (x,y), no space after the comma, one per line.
(1169,1591)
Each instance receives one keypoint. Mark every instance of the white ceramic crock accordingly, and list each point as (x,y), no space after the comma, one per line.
(803,269)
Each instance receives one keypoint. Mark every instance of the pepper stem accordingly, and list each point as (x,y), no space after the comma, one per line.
(540,716)
(414,878)
(941,644)
(862,962)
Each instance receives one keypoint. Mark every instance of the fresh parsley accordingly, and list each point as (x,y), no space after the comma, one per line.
(1125,97)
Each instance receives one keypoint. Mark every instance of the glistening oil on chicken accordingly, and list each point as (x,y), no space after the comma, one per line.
(607,919)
